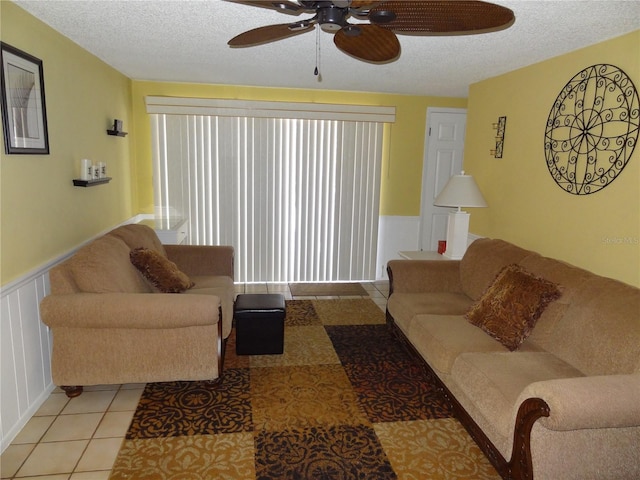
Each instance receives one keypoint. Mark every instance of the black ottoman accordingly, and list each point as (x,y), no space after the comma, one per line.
(259,324)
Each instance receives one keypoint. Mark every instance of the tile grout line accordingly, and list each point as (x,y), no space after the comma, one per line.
(104,413)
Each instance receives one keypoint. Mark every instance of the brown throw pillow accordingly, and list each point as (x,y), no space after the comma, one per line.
(161,272)
(509,309)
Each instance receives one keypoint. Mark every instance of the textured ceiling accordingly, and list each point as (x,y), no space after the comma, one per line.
(186,41)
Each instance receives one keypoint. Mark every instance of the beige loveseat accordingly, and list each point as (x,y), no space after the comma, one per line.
(566,403)
(110,325)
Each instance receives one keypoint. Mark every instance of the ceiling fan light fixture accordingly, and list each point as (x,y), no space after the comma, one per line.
(352,30)
(301,25)
(287,7)
(382,16)
(331,19)
(330,27)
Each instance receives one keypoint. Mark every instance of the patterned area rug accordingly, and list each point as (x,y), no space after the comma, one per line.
(326,289)
(344,401)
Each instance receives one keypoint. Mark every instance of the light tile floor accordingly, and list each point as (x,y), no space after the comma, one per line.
(79,439)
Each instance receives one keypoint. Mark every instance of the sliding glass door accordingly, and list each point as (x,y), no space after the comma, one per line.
(297,198)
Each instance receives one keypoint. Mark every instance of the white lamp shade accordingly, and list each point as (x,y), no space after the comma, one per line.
(460,191)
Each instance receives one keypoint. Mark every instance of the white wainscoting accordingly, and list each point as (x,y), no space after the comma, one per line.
(25,347)
(25,361)
(395,234)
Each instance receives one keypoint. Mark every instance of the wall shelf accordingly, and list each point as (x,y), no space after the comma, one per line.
(90,183)
(116,133)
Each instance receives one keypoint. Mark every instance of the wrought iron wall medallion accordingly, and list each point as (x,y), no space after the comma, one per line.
(592,129)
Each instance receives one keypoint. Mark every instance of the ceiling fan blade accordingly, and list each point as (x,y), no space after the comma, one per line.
(283,6)
(362,4)
(441,17)
(267,34)
(372,44)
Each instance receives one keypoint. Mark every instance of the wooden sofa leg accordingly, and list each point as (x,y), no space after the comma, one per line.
(72,391)
(521,464)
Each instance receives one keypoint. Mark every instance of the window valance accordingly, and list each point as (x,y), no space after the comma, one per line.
(265,109)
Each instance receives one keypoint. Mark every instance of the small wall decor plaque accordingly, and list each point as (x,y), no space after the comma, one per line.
(24,115)
(592,129)
(500,128)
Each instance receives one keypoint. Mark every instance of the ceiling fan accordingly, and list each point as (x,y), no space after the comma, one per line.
(376,41)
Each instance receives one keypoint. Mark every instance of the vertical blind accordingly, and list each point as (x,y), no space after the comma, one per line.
(297,198)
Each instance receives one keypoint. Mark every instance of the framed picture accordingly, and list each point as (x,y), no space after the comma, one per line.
(24,115)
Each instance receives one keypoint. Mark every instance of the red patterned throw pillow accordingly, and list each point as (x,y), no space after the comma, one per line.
(509,309)
(161,272)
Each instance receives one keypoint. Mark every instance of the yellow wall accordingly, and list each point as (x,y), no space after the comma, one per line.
(42,214)
(402,168)
(600,231)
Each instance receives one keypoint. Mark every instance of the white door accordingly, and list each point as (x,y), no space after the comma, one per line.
(444,148)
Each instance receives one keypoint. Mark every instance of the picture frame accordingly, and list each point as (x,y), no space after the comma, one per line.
(24,114)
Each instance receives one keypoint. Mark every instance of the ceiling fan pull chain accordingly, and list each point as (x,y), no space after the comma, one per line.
(316,72)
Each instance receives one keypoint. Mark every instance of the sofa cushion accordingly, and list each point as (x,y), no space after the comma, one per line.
(483,260)
(510,307)
(403,307)
(162,273)
(600,331)
(61,279)
(494,381)
(103,266)
(570,277)
(441,338)
(137,235)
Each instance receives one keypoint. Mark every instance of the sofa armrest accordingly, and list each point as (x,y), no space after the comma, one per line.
(203,259)
(129,310)
(418,276)
(607,401)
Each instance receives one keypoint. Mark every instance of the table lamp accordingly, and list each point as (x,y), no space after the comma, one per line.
(460,191)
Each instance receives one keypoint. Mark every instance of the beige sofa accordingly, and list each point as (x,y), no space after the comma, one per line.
(110,325)
(565,404)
